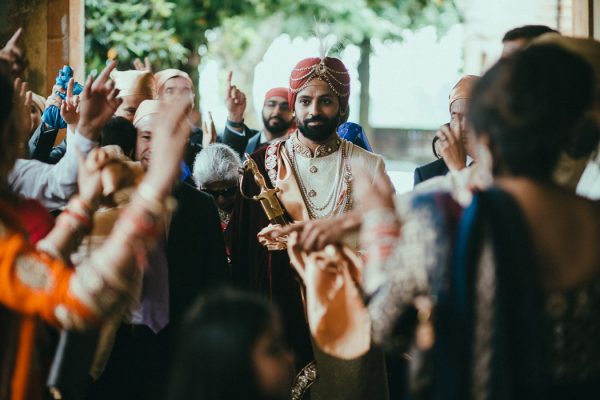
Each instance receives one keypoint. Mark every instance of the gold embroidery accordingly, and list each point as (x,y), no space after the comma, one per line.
(304,380)
(327,148)
(322,72)
(339,199)
(33,273)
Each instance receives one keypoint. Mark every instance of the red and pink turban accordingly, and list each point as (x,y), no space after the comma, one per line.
(276,92)
(328,69)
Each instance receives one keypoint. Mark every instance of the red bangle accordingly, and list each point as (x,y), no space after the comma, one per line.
(144,225)
(85,222)
(85,206)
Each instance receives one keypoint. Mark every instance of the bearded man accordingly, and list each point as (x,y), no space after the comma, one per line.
(312,170)
(276,115)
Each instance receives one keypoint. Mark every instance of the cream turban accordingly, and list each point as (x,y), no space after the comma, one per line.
(462,89)
(39,101)
(134,83)
(163,76)
(147,107)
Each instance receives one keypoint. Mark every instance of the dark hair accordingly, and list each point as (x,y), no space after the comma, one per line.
(8,142)
(527,32)
(529,105)
(214,361)
(6,87)
(121,132)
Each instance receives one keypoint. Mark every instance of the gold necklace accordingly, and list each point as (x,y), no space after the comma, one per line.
(342,177)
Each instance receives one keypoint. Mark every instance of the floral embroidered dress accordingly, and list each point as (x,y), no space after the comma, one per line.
(498,333)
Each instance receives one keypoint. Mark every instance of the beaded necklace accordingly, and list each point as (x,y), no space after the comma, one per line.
(343,176)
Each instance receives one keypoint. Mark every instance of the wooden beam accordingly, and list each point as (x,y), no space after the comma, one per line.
(596,19)
(76,38)
(31,16)
(58,38)
(583,18)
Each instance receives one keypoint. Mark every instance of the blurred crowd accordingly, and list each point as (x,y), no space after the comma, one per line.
(145,255)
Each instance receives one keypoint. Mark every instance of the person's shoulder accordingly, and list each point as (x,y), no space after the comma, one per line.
(363,156)
(259,155)
(272,148)
(185,191)
(437,164)
(434,168)
(360,152)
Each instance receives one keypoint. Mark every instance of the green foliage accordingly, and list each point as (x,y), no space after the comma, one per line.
(170,32)
(351,21)
(126,31)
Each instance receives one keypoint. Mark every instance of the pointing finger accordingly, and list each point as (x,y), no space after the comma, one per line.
(70,89)
(15,38)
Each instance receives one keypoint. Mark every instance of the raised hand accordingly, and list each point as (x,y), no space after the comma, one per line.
(69,109)
(98,103)
(13,54)
(145,66)
(209,132)
(89,179)
(54,99)
(316,234)
(169,139)
(451,148)
(235,101)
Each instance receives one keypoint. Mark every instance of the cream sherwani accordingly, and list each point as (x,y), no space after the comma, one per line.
(316,185)
(319,184)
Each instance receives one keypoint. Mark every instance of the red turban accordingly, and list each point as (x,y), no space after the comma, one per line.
(329,69)
(276,92)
